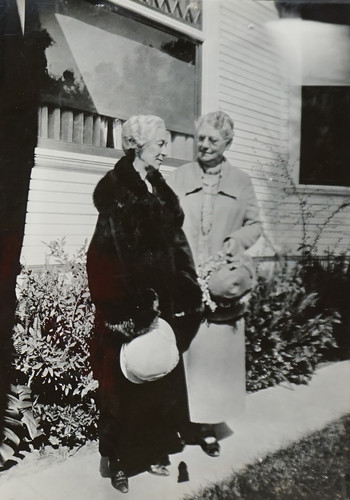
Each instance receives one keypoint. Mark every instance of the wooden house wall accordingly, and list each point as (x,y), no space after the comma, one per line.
(251,87)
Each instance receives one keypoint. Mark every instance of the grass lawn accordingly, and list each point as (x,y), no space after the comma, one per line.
(314,468)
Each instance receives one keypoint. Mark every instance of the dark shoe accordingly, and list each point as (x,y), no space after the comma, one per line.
(209,445)
(120,481)
(158,470)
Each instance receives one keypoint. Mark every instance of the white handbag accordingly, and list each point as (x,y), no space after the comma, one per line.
(150,356)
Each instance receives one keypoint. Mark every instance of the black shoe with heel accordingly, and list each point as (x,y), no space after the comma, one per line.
(202,434)
(207,440)
(209,445)
(119,478)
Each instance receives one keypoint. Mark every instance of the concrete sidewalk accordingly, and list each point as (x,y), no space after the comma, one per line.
(273,418)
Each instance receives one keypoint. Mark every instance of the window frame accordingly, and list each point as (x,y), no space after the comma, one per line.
(294,144)
(159,21)
(325,92)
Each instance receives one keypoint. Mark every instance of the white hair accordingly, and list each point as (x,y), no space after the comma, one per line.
(138,129)
(219,120)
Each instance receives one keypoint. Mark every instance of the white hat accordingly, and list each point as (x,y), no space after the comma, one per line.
(150,356)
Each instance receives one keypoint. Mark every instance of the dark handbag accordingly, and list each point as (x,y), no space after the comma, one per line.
(229,287)
(227,314)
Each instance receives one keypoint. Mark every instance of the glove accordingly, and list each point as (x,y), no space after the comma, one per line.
(232,248)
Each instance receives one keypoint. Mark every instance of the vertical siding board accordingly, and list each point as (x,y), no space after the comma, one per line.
(88,128)
(96,133)
(103,134)
(43,116)
(66,133)
(78,127)
(117,133)
(54,123)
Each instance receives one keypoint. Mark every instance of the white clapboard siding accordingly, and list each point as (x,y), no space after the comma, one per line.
(76,219)
(73,240)
(250,16)
(243,108)
(245,63)
(40,196)
(52,231)
(55,208)
(251,90)
(60,201)
(234,81)
(38,255)
(55,186)
(249,87)
(250,70)
(244,156)
(240,69)
(255,101)
(335,235)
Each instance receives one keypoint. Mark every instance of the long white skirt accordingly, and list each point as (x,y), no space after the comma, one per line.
(215,373)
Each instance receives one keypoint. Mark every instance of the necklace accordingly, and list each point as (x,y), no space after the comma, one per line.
(211,182)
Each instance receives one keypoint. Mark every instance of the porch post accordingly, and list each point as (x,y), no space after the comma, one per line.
(22,64)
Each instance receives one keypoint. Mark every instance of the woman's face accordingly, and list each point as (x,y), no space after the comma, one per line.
(155,149)
(211,145)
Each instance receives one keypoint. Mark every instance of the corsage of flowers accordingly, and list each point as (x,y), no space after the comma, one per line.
(237,274)
(204,272)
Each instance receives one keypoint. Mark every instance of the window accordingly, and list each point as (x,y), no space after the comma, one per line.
(105,66)
(325,146)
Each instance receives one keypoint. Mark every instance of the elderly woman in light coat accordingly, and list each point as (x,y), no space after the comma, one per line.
(221,215)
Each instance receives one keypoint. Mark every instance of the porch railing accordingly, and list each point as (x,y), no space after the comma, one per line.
(86,128)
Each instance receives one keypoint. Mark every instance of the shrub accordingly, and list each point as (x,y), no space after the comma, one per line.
(69,425)
(286,337)
(21,429)
(54,322)
(329,276)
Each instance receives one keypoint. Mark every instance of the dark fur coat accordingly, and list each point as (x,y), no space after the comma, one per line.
(139,266)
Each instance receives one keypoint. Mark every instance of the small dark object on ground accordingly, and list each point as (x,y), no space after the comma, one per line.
(183,473)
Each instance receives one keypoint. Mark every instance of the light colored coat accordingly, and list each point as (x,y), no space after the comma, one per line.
(236,212)
(215,361)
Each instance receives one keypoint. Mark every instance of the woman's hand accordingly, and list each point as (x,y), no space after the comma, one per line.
(186,325)
(231,248)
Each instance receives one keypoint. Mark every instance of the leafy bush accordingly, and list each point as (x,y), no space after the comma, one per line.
(329,276)
(69,425)
(21,429)
(54,321)
(286,337)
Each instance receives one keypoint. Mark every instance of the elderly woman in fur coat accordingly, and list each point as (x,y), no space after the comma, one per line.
(140,267)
